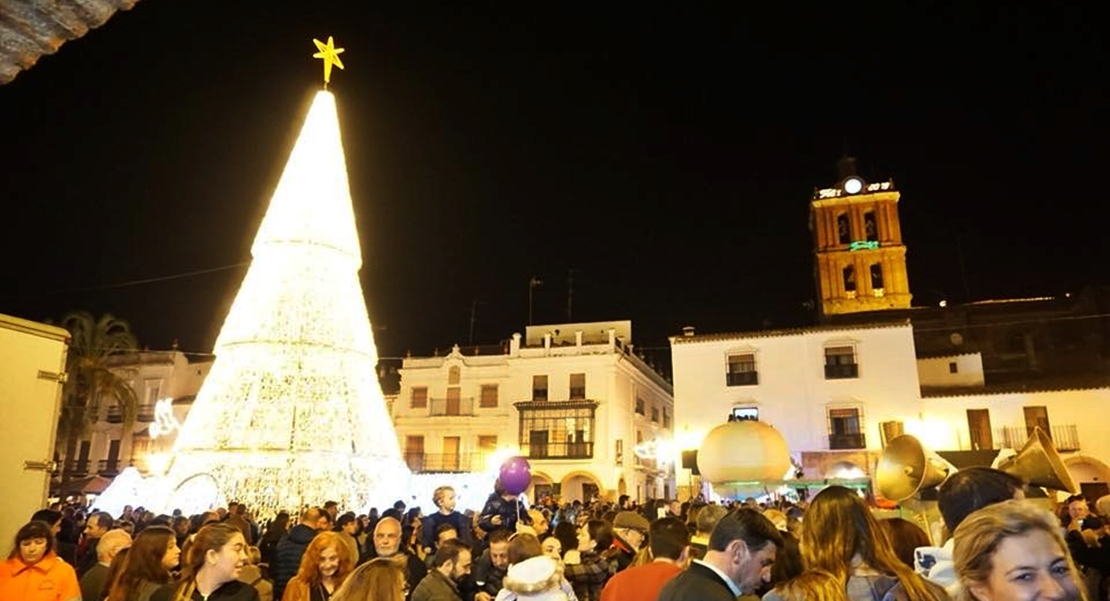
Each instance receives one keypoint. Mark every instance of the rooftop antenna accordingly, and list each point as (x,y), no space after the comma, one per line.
(473,319)
(570,292)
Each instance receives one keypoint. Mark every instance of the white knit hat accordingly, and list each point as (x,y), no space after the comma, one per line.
(536,579)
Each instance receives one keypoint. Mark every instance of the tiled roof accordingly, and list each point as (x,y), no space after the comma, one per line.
(683,339)
(1055,384)
(30,30)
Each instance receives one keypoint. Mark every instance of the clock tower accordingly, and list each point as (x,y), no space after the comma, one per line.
(858,251)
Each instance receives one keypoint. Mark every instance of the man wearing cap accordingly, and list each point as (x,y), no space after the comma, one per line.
(629,532)
(738,561)
(670,543)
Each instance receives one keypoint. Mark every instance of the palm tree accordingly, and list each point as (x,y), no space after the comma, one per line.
(91,381)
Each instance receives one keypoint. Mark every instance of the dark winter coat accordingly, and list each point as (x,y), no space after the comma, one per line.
(287,556)
(510,512)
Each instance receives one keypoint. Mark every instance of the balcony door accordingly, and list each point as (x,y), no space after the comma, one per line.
(979,426)
(1037,417)
(451,453)
(453,401)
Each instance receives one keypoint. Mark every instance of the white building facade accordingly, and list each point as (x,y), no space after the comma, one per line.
(155,376)
(572,398)
(835,393)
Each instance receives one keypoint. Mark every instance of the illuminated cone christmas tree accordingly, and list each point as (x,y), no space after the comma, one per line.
(292,412)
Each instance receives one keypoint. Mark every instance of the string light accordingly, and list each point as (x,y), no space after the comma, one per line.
(291,413)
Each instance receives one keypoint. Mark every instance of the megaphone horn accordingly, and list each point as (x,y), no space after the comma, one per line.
(905,469)
(1039,464)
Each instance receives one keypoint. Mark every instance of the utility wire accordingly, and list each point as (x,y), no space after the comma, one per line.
(157,279)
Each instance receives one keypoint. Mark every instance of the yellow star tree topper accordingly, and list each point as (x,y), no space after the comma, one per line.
(330,55)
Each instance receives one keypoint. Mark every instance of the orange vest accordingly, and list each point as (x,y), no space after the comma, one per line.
(51,579)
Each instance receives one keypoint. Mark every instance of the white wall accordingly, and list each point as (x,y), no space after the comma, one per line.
(793,394)
(937,371)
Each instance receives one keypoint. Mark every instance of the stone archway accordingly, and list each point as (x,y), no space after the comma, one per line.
(579,485)
(542,485)
(1092,475)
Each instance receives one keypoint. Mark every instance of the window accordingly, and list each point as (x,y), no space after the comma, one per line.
(744,413)
(741,370)
(655,414)
(539,388)
(450,459)
(850,281)
(489,396)
(870,226)
(953,368)
(618,452)
(487,443)
(577,387)
(843,231)
(153,389)
(840,363)
(666,418)
(877,280)
(453,376)
(640,406)
(557,430)
(414,452)
(419,398)
(845,428)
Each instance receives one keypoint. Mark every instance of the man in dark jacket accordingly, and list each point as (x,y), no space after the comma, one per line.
(738,560)
(291,547)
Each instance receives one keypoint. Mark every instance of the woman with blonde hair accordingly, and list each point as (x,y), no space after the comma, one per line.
(376,580)
(1012,551)
(814,584)
(212,565)
(843,538)
(326,563)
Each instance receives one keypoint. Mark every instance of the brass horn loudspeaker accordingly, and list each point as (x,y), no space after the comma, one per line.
(905,469)
(1039,464)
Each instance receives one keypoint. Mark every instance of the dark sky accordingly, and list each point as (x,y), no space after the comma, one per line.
(667,157)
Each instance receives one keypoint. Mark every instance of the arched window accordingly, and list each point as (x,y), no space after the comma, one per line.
(849,279)
(843,229)
(877,278)
(870,226)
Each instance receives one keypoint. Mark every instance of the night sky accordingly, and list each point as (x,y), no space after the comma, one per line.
(666,157)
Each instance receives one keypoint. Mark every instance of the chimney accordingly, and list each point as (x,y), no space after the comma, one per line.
(578,338)
(688,331)
(514,345)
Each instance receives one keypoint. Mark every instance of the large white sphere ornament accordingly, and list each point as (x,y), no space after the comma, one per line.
(745,451)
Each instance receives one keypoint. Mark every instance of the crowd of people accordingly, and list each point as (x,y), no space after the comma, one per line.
(998,546)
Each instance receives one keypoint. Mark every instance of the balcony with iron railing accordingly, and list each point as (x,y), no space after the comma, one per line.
(109,467)
(146,413)
(841,371)
(431,463)
(1064,437)
(115,415)
(742,378)
(558,450)
(839,442)
(454,407)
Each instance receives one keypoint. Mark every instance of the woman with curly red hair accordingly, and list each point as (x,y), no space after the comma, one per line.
(327,562)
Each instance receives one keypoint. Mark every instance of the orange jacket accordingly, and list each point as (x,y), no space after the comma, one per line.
(51,579)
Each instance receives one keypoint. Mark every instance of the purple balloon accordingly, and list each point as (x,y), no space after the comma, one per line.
(516,475)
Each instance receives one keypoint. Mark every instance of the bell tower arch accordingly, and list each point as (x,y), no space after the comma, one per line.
(860,260)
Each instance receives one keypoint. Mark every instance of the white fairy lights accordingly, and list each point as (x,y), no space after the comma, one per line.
(292,412)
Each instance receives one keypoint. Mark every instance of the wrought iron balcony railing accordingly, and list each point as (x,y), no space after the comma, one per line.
(1064,437)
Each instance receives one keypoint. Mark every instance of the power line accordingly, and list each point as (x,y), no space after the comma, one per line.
(156,279)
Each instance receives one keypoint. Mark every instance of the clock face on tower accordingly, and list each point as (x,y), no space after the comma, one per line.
(853,185)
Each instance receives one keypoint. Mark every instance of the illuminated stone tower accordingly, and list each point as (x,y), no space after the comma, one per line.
(859,255)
